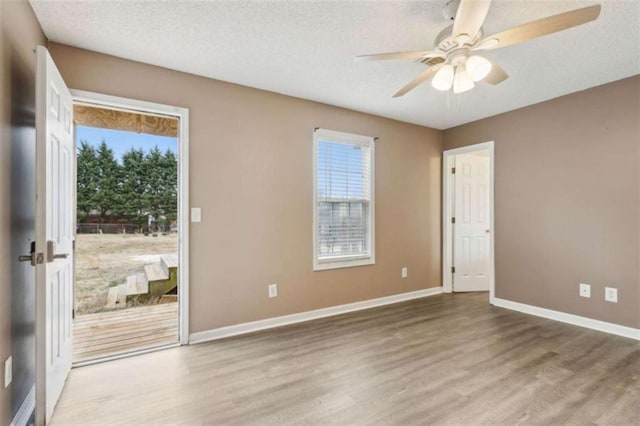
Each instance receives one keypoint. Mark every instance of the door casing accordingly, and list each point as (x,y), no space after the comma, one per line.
(182,114)
(447,214)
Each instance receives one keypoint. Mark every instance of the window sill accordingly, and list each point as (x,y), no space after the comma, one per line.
(344,262)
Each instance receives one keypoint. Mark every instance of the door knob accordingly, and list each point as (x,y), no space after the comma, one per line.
(32,257)
(51,248)
(487,231)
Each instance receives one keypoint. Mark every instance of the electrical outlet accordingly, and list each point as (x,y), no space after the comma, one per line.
(8,371)
(585,290)
(404,272)
(611,294)
(273,290)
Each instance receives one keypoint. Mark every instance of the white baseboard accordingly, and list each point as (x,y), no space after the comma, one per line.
(249,327)
(26,409)
(607,327)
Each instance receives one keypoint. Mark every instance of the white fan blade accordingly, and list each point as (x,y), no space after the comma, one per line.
(399,55)
(425,75)
(541,27)
(469,18)
(496,75)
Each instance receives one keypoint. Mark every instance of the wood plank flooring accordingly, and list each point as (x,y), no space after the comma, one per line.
(125,330)
(446,359)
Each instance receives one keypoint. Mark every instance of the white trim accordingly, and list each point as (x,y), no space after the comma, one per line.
(183,226)
(342,262)
(126,355)
(447,212)
(347,261)
(606,327)
(343,137)
(26,409)
(447,229)
(102,100)
(250,327)
(98,99)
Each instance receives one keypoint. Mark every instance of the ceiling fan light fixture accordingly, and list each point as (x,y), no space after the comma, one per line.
(443,80)
(478,67)
(454,45)
(462,81)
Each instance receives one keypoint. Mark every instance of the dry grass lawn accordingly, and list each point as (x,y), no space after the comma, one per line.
(103,261)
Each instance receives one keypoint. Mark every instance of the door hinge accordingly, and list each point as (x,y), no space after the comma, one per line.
(73,314)
(453,220)
(453,170)
(73,244)
(453,269)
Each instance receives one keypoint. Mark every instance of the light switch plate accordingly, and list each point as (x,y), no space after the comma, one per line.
(8,371)
(273,290)
(196,214)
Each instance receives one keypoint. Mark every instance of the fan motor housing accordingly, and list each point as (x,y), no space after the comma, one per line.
(445,42)
(450,9)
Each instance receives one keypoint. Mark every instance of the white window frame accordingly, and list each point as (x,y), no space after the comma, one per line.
(343,261)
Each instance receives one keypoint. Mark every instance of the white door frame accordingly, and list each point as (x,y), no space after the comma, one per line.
(100,100)
(447,214)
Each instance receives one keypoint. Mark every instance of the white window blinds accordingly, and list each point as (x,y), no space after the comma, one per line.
(343,199)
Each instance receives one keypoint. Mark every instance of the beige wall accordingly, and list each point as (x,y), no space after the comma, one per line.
(251,172)
(567,191)
(19,35)
(567,200)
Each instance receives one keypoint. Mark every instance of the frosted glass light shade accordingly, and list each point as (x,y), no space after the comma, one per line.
(478,67)
(443,80)
(461,81)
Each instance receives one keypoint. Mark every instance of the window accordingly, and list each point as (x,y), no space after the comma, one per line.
(343,200)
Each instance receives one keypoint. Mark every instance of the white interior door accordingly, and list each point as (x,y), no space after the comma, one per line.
(55,162)
(471,242)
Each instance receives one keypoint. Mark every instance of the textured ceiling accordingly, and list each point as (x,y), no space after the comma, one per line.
(306,49)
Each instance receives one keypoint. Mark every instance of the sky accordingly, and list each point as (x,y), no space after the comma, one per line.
(121,141)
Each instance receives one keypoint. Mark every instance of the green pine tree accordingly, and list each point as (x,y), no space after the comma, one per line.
(169,194)
(154,188)
(108,198)
(87,175)
(134,184)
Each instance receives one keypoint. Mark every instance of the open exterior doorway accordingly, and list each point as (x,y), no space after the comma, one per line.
(468,222)
(130,286)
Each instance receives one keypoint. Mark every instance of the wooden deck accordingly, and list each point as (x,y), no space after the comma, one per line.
(125,330)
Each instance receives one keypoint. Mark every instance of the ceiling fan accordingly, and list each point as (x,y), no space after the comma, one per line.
(454,63)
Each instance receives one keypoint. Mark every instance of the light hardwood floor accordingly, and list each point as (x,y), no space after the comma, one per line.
(446,359)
